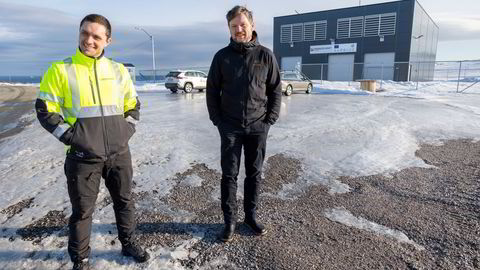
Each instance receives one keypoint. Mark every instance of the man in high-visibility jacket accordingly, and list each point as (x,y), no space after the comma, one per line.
(89,103)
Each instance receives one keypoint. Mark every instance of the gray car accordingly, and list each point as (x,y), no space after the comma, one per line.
(295,81)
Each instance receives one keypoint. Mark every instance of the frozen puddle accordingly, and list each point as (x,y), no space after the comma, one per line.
(341,215)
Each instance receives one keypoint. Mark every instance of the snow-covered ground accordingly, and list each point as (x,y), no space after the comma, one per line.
(337,130)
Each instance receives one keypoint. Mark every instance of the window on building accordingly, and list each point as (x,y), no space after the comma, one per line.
(372,25)
(388,23)
(380,24)
(321,30)
(356,27)
(315,30)
(350,27)
(297,32)
(309,31)
(343,28)
(286,33)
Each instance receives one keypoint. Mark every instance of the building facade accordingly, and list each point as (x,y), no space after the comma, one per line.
(390,41)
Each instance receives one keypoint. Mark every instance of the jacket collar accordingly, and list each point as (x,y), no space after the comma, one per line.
(87,60)
(244,47)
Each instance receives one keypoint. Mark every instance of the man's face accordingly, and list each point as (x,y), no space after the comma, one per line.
(241,29)
(93,39)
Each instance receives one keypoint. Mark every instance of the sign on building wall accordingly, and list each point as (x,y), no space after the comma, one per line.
(333,48)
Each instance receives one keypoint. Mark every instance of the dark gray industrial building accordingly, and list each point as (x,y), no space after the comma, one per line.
(390,41)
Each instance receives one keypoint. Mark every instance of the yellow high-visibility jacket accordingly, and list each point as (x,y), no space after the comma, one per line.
(85,102)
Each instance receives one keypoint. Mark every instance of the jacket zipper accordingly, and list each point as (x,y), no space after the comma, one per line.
(93,93)
(245,90)
(105,137)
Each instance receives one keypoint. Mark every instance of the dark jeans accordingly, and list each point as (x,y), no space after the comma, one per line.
(83,179)
(254,143)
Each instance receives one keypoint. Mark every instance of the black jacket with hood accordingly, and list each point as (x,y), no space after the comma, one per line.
(243,85)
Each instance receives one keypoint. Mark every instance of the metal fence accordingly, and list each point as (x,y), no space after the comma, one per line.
(399,71)
(466,74)
(463,74)
(158,75)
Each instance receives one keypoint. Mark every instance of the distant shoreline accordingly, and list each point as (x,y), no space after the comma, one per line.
(15,102)
(20,79)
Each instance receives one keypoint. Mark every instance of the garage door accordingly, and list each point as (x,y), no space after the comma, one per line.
(379,66)
(292,63)
(340,67)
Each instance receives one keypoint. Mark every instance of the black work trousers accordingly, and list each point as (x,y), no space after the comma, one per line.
(83,179)
(254,142)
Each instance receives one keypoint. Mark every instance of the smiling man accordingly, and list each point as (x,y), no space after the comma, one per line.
(243,99)
(89,103)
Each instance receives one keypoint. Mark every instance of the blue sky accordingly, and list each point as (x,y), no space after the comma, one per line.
(187,33)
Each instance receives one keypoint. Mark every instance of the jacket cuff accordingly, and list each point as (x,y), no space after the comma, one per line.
(135,114)
(269,120)
(67,136)
(131,120)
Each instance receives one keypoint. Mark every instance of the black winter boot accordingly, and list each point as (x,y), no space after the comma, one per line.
(81,265)
(133,249)
(227,233)
(256,227)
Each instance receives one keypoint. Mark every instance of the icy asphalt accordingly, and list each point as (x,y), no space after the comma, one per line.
(351,182)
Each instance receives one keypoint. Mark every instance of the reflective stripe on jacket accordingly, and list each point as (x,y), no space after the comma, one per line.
(83,102)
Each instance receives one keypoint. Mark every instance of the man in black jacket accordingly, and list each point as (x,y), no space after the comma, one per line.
(243,99)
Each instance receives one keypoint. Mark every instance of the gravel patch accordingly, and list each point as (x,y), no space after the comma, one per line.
(189,209)
(195,199)
(12,210)
(51,223)
(280,170)
(417,218)
(437,208)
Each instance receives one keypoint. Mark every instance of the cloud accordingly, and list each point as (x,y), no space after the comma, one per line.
(455,27)
(32,38)
(8,34)
(176,47)
(182,46)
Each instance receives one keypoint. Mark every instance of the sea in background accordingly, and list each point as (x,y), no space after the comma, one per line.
(37,79)
(20,79)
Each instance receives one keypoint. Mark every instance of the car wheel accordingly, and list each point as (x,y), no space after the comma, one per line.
(289,90)
(174,90)
(309,88)
(188,87)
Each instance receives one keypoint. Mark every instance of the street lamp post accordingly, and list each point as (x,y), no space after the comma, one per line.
(153,49)
(418,64)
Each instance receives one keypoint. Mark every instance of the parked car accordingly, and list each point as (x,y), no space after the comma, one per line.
(186,80)
(295,81)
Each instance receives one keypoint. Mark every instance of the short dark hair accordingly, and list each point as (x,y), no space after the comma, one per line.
(236,10)
(95,18)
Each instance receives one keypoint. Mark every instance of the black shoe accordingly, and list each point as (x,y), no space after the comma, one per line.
(227,233)
(81,265)
(256,227)
(134,250)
